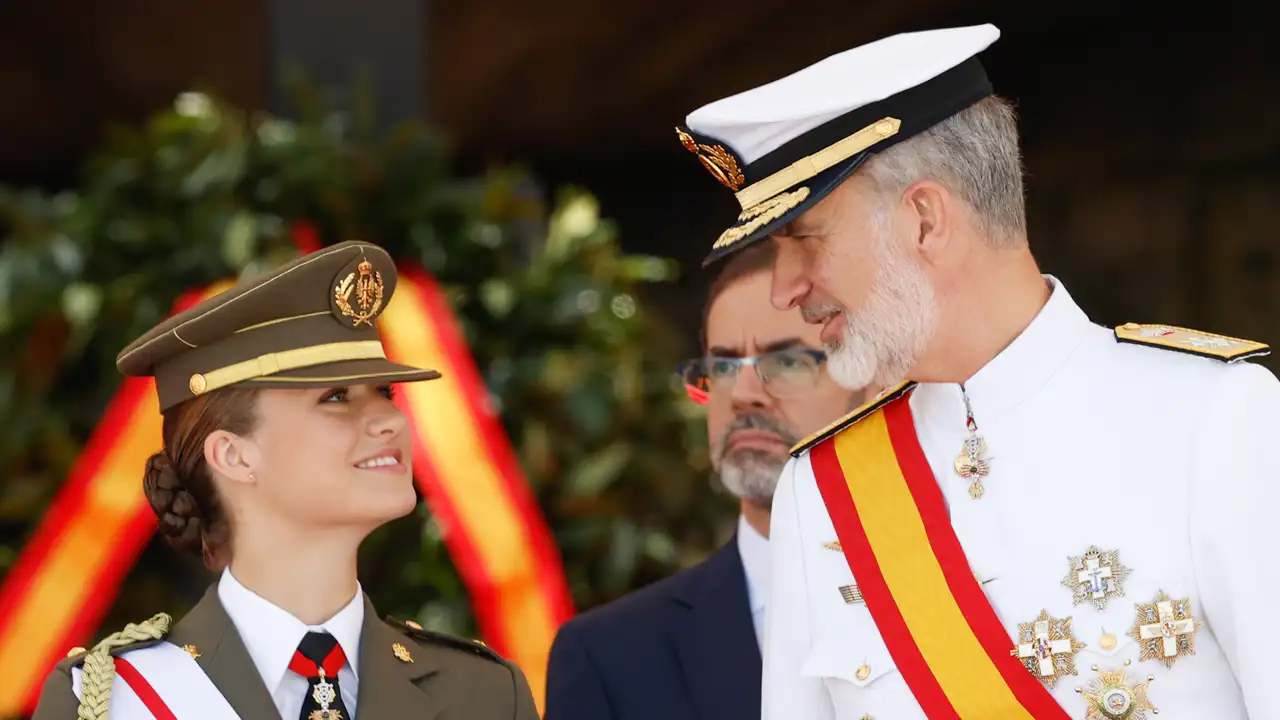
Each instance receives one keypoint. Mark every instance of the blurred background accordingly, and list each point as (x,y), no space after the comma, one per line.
(522,156)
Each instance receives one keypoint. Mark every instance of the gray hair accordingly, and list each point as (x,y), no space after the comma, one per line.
(975,154)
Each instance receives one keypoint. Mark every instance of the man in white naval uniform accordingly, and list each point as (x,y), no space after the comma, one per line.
(1088,529)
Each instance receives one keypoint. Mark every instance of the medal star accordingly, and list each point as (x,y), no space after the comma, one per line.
(1111,696)
(1165,629)
(1095,577)
(1047,648)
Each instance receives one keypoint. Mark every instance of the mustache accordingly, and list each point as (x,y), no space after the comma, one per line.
(814,312)
(757,421)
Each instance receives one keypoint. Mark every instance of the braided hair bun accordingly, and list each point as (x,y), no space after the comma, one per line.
(180,517)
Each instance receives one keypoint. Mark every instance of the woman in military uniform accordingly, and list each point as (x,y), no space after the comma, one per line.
(282,451)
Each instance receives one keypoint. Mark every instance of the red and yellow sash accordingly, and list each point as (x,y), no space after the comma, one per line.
(895,532)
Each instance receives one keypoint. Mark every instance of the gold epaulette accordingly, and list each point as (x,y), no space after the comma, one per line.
(834,428)
(1194,342)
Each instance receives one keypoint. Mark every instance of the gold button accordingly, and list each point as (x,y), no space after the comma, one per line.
(197,384)
(413,624)
(864,672)
(75,651)
(1107,641)
(1132,326)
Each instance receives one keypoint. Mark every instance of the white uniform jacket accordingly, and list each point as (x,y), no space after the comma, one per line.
(1170,459)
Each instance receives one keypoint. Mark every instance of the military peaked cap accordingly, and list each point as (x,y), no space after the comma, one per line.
(309,323)
(784,146)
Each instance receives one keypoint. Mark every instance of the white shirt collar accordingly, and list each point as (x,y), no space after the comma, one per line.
(271,634)
(1023,367)
(753,548)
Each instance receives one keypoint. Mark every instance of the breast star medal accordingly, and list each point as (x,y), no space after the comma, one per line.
(971,464)
(1111,696)
(1165,629)
(324,694)
(1047,648)
(1096,576)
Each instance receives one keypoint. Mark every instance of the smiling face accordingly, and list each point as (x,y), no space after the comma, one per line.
(750,429)
(320,459)
(848,264)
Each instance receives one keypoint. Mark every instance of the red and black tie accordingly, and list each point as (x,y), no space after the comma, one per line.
(318,658)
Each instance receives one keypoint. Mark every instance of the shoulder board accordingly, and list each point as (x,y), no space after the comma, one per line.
(1193,342)
(866,410)
(430,637)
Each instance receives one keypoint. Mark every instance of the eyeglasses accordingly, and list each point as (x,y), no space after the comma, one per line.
(785,373)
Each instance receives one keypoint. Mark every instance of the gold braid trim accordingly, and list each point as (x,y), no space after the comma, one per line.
(99,669)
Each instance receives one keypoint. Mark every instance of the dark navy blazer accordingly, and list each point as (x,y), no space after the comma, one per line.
(683,648)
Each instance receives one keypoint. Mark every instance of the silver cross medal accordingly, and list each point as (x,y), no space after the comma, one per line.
(324,694)
(970,463)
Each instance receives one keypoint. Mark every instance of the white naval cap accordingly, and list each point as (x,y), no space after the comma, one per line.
(781,147)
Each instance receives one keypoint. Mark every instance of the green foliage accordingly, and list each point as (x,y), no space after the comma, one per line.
(552,308)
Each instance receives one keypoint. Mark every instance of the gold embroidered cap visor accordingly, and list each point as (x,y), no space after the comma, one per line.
(779,168)
(309,323)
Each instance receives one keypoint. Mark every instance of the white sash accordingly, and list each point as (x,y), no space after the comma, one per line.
(176,678)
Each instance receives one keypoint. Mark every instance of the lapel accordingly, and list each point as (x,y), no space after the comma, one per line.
(223,657)
(388,688)
(715,639)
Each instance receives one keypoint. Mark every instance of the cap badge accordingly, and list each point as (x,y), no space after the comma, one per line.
(716,159)
(366,283)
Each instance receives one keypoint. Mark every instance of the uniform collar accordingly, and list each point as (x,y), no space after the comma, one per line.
(1022,368)
(271,634)
(753,548)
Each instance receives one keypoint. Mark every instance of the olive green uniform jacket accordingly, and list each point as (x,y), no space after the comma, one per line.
(448,679)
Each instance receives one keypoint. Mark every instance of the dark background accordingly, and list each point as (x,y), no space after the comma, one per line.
(1150,131)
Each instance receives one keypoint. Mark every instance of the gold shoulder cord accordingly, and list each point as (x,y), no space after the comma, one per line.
(99,670)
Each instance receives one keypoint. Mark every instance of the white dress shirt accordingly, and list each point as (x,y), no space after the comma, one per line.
(271,635)
(753,548)
(1168,458)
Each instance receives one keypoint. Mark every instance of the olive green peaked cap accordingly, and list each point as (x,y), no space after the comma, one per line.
(309,323)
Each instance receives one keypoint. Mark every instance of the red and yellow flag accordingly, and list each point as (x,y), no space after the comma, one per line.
(495,532)
(70,572)
(894,529)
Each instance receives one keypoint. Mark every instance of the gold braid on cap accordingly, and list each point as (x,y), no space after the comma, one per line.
(99,669)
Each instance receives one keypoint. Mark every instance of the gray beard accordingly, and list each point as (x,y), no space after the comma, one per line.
(885,338)
(752,476)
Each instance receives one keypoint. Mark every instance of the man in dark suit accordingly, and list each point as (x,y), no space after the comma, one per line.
(688,647)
